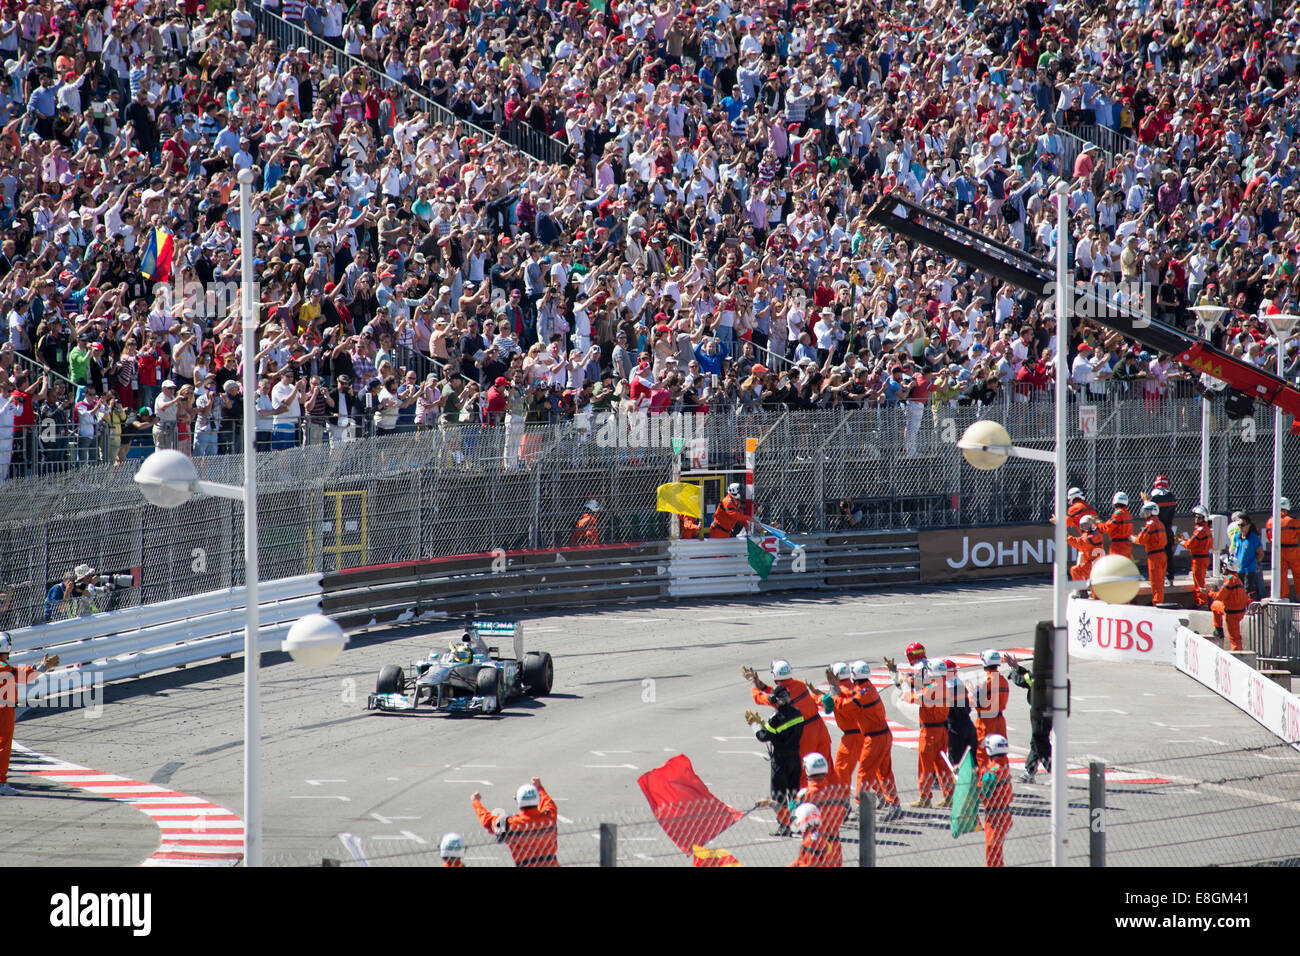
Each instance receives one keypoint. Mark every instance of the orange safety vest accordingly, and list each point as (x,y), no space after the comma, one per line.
(1152,537)
(814,850)
(1120,530)
(870,710)
(832,799)
(997,802)
(1090,547)
(1232,595)
(801,696)
(725,517)
(587,531)
(531,833)
(1290,531)
(1200,542)
(1076,511)
(992,694)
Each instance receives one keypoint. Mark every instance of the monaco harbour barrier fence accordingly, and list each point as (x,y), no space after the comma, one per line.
(131,642)
(475,489)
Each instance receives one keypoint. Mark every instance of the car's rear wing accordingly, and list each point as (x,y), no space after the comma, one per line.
(494,633)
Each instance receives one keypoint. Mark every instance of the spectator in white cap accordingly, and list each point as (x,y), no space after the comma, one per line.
(165,412)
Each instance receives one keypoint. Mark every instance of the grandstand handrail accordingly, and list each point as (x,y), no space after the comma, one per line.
(281,29)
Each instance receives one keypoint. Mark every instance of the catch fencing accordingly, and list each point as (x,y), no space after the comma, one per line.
(1186,805)
(473,490)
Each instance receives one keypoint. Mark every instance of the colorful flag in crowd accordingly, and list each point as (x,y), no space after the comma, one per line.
(759,559)
(690,815)
(680,497)
(156,263)
(965,799)
(700,856)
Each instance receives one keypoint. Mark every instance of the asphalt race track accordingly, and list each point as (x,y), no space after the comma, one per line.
(1195,780)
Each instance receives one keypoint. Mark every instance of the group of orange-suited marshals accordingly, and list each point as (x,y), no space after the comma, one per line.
(813,792)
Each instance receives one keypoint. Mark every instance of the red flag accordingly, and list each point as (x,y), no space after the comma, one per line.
(683,805)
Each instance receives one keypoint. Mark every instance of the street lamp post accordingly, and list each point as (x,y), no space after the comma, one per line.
(987,445)
(1207,317)
(168,479)
(1060,569)
(1282,326)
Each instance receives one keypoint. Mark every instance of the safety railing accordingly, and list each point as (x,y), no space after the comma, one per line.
(498,582)
(1271,629)
(130,642)
(289,36)
(1112,142)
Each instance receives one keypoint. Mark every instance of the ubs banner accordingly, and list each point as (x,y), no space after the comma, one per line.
(963,554)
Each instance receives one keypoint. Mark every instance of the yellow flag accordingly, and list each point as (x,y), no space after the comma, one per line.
(681,498)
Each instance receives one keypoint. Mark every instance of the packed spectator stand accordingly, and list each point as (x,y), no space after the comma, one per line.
(692,236)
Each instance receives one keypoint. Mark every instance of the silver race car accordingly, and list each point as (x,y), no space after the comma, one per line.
(470,677)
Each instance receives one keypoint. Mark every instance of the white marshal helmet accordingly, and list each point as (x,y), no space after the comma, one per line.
(782,670)
(807,817)
(1075,493)
(452,846)
(592,504)
(527,796)
(995,744)
(1121,498)
(1231,565)
(6,643)
(1284,504)
(1151,508)
(733,488)
(860,670)
(841,670)
(815,765)
(990,658)
(936,667)
(1202,511)
(1088,521)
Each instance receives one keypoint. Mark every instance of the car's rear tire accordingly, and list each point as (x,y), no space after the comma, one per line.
(392,680)
(539,673)
(489,684)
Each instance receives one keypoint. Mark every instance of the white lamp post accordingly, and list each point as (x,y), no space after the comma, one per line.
(1207,317)
(987,445)
(168,479)
(1282,326)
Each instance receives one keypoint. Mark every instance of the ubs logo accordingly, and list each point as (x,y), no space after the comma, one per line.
(1084,631)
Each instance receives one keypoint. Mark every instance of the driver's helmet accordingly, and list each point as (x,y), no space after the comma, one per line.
(462,654)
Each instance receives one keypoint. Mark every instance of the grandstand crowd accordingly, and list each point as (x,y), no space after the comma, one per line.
(700,241)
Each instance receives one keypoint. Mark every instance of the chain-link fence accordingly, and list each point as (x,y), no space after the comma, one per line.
(471,489)
(1198,805)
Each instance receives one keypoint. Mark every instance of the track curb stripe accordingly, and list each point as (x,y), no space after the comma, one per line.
(185,822)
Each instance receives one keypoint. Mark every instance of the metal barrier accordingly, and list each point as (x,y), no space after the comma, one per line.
(1112,142)
(716,567)
(501,582)
(473,489)
(1271,629)
(135,641)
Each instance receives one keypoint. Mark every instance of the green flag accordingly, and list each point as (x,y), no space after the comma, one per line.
(966,799)
(759,559)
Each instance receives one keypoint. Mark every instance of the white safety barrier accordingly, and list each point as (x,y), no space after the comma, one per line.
(1277,710)
(714,566)
(1123,632)
(135,641)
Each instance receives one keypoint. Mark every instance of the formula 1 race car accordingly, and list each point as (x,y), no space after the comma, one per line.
(470,677)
